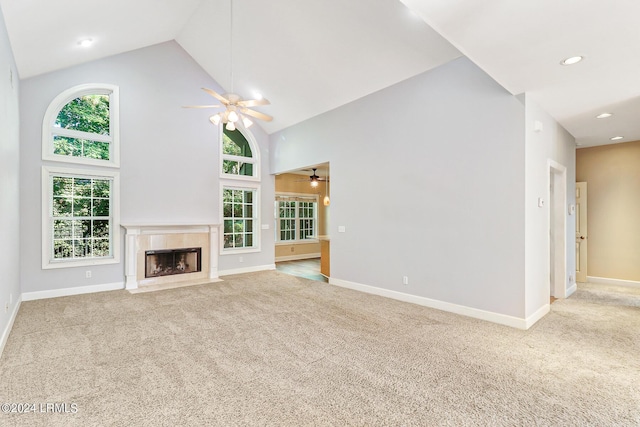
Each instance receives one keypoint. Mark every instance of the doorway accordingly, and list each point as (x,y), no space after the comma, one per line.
(301,221)
(557,230)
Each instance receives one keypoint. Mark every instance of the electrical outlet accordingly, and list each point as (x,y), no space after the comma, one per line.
(6,308)
(87,274)
(405,280)
(241,259)
(292,248)
(570,278)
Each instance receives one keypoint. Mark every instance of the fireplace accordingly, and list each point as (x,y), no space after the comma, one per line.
(167,262)
(163,255)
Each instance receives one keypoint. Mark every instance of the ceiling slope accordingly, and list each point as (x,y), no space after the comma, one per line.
(313,56)
(44,34)
(308,57)
(521,44)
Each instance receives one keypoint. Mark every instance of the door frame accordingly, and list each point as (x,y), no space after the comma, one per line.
(557,215)
(582,228)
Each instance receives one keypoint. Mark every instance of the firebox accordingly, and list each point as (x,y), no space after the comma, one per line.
(166,262)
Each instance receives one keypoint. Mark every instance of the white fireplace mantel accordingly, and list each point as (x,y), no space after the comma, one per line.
(142,237)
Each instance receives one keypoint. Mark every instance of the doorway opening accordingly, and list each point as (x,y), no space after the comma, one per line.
(557,231)
(302,222)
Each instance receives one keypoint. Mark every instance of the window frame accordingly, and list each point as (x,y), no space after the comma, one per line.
(229,185)
(294,198)
(48,172)
(254,159)
(114,125)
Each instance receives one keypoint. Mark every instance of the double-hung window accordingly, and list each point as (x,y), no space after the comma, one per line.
(80,217)
(240,218)
(296,218)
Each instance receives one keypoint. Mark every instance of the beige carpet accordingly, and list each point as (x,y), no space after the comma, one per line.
(274,350)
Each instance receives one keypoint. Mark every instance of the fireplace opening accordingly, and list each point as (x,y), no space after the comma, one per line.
(167,262)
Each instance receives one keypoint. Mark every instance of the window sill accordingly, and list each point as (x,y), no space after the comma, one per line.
(79,263)
(297,242)
(229,251)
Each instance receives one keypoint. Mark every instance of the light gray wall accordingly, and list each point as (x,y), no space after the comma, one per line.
(9,183)
(427,176)
(552,142)
(169,155)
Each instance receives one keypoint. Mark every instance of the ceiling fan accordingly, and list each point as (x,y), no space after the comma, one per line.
(236,108)
(314,179)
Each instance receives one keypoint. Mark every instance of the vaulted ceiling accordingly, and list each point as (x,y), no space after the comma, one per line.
(311,56)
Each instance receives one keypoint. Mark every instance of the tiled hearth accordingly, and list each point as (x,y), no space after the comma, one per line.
(140,239)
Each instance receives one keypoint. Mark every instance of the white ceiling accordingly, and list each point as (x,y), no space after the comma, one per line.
(308,57)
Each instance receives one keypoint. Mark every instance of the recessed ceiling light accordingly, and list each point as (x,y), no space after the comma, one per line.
(85,42)
(572,60)
(604,115)
(617,138)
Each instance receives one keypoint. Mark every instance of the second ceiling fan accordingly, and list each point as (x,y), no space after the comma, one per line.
(314,179)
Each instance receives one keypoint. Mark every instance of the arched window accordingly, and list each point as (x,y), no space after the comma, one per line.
(240,207)
(80,215)
(239,155)
(81,126)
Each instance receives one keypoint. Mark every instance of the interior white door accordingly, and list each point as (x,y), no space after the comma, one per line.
(581,232)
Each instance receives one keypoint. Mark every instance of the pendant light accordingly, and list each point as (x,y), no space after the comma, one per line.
(326,200)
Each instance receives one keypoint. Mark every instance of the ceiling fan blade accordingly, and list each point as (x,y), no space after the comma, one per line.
(256,114)
(202,106)
(216,95)
(253,102)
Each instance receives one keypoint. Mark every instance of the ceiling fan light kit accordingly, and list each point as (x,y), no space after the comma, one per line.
(236,110)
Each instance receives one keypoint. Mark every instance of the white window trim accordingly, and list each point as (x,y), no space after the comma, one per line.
(296,241)
(254,160)
(47,214)
(63,99)
(234,185)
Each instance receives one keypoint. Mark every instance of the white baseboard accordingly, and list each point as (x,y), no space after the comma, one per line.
(571,290)
(490,316)
(54,293)
(297,257)
(618,282)
(539,314)
(247,270)
(7,330)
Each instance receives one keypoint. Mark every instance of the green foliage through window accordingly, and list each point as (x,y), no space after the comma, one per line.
(80,148)
(296,217)
(84,115)
(81,217)
(238,212)
(234,143)
(89,113)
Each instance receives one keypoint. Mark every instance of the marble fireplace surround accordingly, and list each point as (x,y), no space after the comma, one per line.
(141,238)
